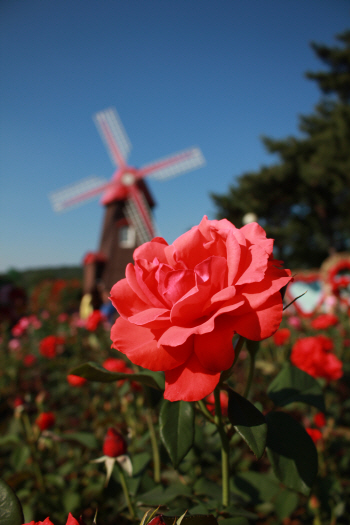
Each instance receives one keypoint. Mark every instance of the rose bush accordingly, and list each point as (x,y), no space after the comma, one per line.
(181,304)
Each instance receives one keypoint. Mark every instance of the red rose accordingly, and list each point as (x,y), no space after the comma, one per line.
(49,345)
(315,434)
(45,420)
(29,360)
(157,520)
(180,305)
(319,420)
(281,336)
(312,354)
(114,365)
(74,380)
(210,403)
(70,521)
(94,320)
(114,444)
(324,321)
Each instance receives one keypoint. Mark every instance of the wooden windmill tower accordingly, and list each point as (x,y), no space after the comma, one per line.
(128,218)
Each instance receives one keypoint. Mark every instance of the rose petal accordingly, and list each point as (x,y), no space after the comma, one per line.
(214,349)
(274,280)
(260,323)
(255,265)
(255,234)
(190,381)
(125,300)
(140,346)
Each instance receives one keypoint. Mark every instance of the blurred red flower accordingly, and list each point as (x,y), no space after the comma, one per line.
(49,345)
(74,380)
(94,320)
(210,403)
(114,365)
(324,321)
(314,356)
(29,360)
(114,444)
(45,420)
(281,336)
(320,420)
(315,434)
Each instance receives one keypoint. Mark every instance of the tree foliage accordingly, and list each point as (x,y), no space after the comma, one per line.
(303,200)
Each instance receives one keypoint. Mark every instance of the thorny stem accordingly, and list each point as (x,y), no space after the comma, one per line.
(225,468)
(125,490)
(154,445)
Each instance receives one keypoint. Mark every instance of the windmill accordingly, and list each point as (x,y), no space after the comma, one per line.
(128,218)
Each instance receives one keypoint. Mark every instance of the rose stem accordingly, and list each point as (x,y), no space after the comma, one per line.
(250,374)
(32,446)
(125,490)
(224,450)
(205,411)
(154,445)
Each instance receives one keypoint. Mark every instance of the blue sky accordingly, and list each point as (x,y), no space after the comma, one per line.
(217,74)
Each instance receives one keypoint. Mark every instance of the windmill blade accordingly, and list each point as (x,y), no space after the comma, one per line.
(75,194)
(173,165)
(113,135)
(139,214)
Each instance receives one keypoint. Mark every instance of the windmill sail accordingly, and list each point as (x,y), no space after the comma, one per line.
(113,135)
(78,193)
(174,165)
(139,214)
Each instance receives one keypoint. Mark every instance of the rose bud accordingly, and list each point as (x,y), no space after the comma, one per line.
(114,444)
(45,420)
(74,380)
(157,520)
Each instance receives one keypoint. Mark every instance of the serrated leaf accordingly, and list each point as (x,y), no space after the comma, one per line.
(291,452)
(294,385)
(94,372)
(176,427)
(10,507)
(248,421)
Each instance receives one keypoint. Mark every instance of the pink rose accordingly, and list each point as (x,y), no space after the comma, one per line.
(180,305)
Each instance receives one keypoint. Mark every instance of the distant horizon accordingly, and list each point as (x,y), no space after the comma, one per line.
(179,74)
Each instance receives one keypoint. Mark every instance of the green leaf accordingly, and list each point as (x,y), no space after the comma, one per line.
(140,462)
(83,438)
(176,426)
(255,487)
(294,385)
(95,372)
(285,503)
(291,452)
(10,507)
(248,421)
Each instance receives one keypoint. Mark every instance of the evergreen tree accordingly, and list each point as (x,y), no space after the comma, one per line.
(303,201)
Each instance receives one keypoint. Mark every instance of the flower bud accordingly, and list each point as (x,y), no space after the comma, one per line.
(157,520)
(114,444)
(45,420)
